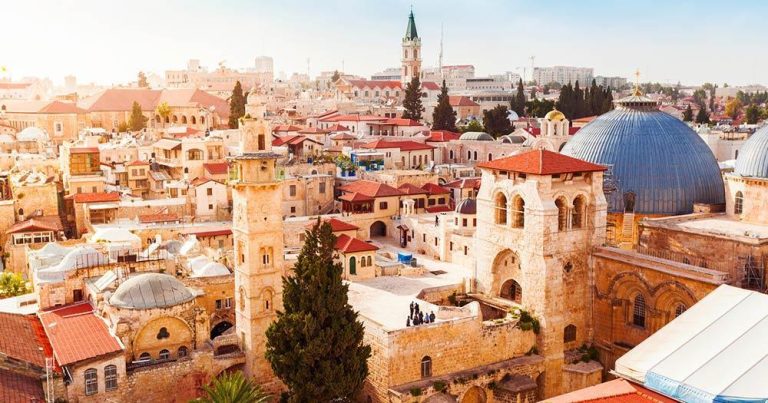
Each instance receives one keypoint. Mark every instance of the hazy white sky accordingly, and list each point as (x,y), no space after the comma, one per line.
(110,41)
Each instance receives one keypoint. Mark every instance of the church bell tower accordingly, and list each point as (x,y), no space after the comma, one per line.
(411,52)
(257,228)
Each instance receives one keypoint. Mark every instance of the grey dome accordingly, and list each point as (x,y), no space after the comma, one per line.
(150,290)
(753,156)
(510,139)
(476,136)
(467,206)
(652,155)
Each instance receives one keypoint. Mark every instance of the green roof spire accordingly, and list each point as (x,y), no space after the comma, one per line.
(410,33)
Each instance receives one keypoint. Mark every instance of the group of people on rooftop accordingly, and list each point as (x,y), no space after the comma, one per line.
(418,317)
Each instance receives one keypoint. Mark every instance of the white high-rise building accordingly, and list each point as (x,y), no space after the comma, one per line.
(563,75)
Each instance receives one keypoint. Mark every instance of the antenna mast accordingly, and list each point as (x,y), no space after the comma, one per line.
(440,59)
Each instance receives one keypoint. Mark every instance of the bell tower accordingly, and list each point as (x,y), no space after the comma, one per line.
(257,227)
(411,52)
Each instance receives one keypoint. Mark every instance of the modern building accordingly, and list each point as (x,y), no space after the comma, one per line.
(563,75)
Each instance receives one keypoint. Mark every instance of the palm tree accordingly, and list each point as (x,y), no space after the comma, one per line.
(12,284)
(233,387)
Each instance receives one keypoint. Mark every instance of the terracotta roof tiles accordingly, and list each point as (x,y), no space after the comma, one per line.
(542,162)
(370,189)
(348,244)
(96,197)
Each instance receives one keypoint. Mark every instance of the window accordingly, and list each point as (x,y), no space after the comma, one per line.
(577,215)
(182,352)
(738,203)
(501,209)
(165,354)
(450,246)
(352,266)
(91,381)
(292,190)
(423,237)
(435,241)
(463,222)
(32,237)
(110,377)
(321,188)
(569,334)
(293,209)
(512,291)
(163,334)
(145,357)
(209,191)
(679,309)
(562,214)
(210,207)
(638,311)
(518,212)
(383,206)
(426,367)
(568,267)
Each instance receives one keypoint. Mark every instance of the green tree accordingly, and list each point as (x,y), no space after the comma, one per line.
(496,122)
(537,108)
(137,120)
(733,108)
(12,284)
(703,116)
(444,117)
(752,114)
(412,100)
(688,114)
(232,388)
(700,97)
(236,106)
(473,126)
(316,344)
(163,110)
(335,76)
(142,81)
(517,103)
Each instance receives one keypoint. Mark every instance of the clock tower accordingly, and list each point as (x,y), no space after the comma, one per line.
(257,229)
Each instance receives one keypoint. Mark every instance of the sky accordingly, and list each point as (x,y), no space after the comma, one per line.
(108,42)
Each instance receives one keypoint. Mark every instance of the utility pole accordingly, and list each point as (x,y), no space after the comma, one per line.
(440,59)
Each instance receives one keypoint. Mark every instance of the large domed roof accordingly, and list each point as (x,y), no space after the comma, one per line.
(476,136)
(467,206)
(652,155)
(753,156)
(150,290)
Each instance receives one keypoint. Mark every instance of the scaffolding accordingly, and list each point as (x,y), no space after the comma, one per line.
(753,272)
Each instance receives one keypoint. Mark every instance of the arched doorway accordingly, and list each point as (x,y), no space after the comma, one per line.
(219,329)
(474,394)
(378,229)
(629,202)
(512,291)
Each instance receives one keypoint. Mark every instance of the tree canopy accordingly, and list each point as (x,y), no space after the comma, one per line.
(576,103)
(232,388)
(496,121)
(316,344)
(752,114)
(703,116)
(412,101)
(733,108)
(142,80)
(12,284)
(137,120)
(517,103)
(688,114)
(444,117)
(236,106)
(472,126)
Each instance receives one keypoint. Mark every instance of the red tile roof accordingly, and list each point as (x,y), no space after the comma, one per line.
(77,334)
(216,168)
(338,128)
(355,197)
(336,225)
(410,189)
(404,145)
(348,244)
(22,338)
(286,128)
(617,391)
(40,223)
(435,189)
(158,218)
(121,99)
(466,183)
(370,189)
(289,139)
(96,197)
(402,122)
(137,163)
(431,86)
(458,100)
(18,388)
(441,136)
(314,130)
(542,162)
(209,233)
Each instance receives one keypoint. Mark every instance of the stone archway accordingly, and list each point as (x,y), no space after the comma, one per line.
(512,291)
(474,394)
(220,328)
(378,229)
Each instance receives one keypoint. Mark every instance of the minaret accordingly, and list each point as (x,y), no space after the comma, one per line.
(257,227)
(411,52)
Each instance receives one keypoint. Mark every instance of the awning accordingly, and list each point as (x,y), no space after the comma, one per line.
(103,206)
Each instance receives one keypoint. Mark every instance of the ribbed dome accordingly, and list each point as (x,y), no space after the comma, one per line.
(476,136)
(753,156)
(654,155)
(467,206)
(150,290)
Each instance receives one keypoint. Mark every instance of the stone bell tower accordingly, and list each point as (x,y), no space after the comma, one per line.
(257,228)
(411,52)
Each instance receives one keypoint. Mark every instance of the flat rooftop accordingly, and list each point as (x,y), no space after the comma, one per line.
(713,224)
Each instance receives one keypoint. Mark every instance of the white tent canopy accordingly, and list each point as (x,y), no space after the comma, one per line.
(715,351)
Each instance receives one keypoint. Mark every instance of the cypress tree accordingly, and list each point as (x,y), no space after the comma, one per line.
(444,117)
(137,120)
(702,117)
(496,122)
(236,106)
(517,103)
(316,344)
(412,100)
(688,114)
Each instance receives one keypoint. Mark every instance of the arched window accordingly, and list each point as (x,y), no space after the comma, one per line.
(202,120)
(145,357)
(475,154)
(426,367)
(562,214)
(110,377)
(175,119)
(21,212)
(738,203)
(450,154)
(165,354)
(501,208)
(267,300)
(194,120)
(490,157)
(183,120)
(518,212)
(91,381)
(163,334)
(352,266)
(512,291)
(679,309)
(569,334)
(262,142)
(370,261)
(568,267)
(638,311)
(182,352)
(194,155)
(469,155)
(167,119)
(577,214)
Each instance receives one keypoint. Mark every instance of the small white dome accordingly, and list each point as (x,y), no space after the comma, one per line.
(211,269)
(32,134)
(197,263)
